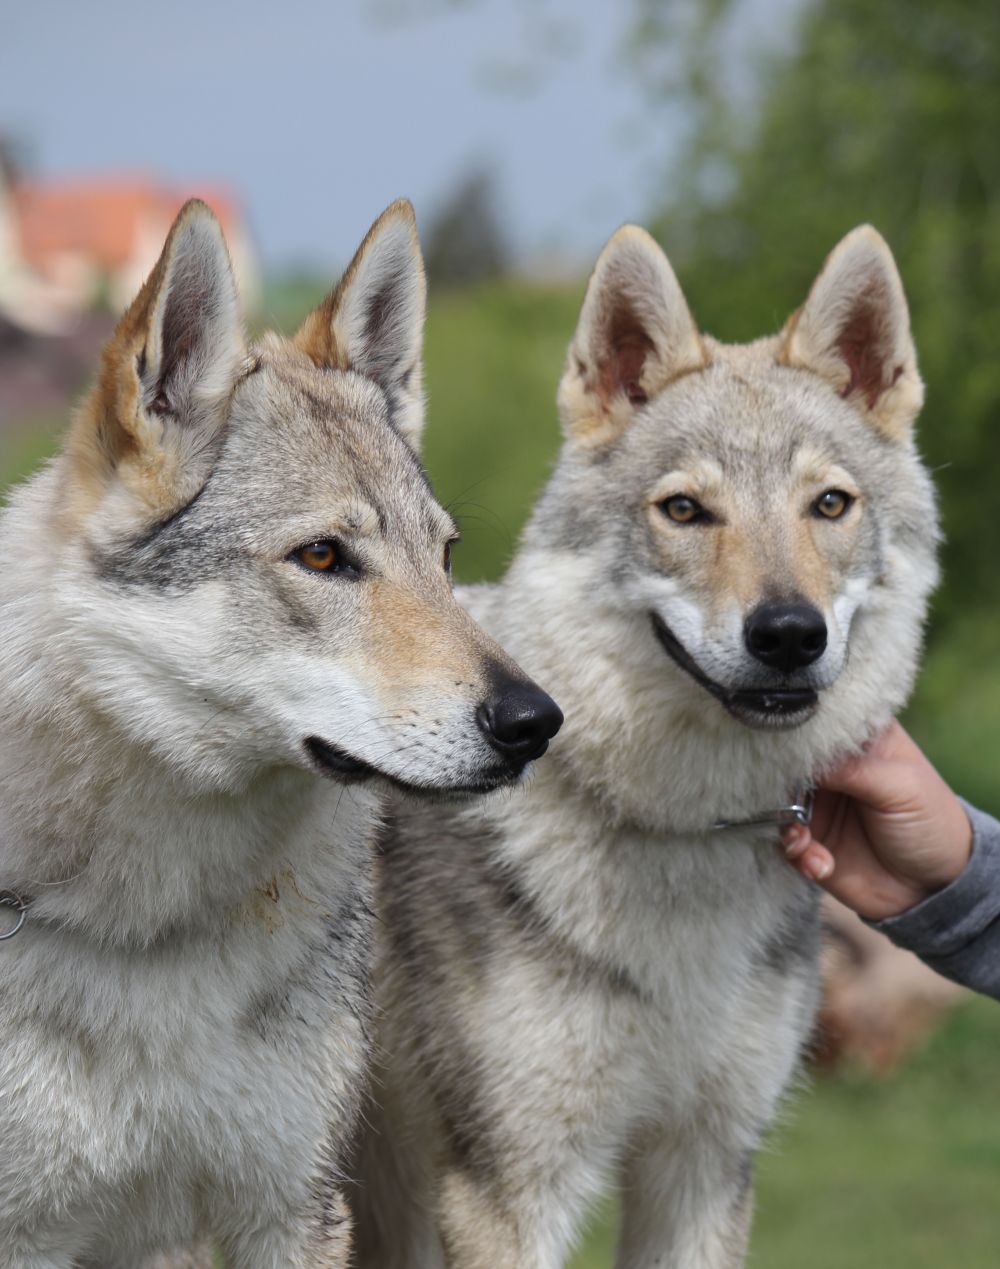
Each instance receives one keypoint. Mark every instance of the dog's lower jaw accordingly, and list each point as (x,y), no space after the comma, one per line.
(330,760)
(765,709)
(791,710)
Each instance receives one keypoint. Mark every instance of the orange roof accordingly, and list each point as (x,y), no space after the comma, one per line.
(100,218)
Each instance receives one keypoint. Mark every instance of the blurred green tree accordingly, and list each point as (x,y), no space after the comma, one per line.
(879,111)
(465,241)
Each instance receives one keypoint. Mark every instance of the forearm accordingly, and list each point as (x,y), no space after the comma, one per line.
(957,930)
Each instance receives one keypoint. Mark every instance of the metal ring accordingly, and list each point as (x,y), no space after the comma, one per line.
(8,899)
(798,811)
(805,801)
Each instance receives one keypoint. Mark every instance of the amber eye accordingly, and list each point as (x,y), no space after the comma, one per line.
(447,557)
(683,510)
(321,557)
(832,504)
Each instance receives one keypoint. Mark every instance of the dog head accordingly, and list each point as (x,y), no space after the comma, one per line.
(252,569)
(758,511)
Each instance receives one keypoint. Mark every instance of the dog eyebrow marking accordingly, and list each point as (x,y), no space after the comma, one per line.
(702,479)
(364,519)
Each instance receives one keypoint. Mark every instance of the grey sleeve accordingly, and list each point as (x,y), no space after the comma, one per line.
(957,930)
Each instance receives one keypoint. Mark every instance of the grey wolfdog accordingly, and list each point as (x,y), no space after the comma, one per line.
(228,626)
(724,585)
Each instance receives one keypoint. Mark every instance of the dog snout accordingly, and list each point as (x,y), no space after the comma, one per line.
(786,637)
(518,719)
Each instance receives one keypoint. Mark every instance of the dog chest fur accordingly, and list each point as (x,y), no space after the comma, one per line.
(587,980)
(228,626)
(158,1050)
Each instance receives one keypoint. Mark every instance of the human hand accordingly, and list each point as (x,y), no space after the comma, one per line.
(886,830)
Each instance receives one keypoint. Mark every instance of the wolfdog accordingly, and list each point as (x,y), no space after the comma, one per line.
(724,585)
(228,627)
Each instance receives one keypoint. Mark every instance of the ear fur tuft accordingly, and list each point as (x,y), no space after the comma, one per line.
(372,322)
(168,370)
(634,337)
(854,331)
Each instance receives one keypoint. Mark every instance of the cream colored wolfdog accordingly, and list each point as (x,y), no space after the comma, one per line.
(228,625)
(589,983)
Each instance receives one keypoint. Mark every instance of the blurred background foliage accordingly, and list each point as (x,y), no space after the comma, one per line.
(858,110)
(889,113)
(861,111)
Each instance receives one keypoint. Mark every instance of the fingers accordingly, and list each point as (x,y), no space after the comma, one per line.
(817,863)
(794,840)
(811,858)
(896,828)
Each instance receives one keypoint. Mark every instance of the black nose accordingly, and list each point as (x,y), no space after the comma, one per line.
(519,719)
(786,636)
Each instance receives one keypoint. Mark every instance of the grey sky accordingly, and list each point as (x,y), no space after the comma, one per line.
(317,115)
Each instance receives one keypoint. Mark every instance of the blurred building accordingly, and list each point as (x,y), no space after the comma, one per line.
(70,246)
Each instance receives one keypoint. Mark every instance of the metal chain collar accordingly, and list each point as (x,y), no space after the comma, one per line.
(798,811)
(8,899)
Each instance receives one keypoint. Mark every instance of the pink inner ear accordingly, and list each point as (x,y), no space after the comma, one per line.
(631,359)
(861,344)
(622,371)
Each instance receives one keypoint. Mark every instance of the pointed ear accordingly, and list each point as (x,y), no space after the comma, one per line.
(373,322)
(169,369)
(635,335)
(854,331)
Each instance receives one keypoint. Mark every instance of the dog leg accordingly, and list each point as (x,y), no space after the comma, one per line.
(323,1241)
(392,1201)
(685,1206)
(482,1231)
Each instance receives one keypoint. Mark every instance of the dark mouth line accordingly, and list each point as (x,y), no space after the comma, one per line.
(678,653)
(779,700)
(332,758)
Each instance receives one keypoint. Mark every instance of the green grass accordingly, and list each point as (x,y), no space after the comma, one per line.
(24,446)
(900,1173)
(896,1174)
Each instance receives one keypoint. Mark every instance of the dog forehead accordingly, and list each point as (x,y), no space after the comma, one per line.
(299,432)
(287,403)
(752,419)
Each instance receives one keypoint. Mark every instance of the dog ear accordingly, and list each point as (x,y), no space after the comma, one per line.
(168,371)
(854,331)
(373,322)
(635,335)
